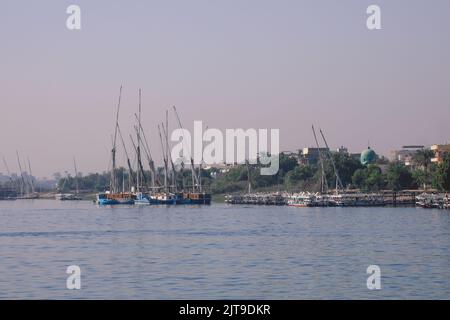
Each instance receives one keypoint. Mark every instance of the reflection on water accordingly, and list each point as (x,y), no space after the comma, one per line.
(221,251)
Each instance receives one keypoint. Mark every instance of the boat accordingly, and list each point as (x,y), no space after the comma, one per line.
(196,198)
(196,195)
(302,199)
(431,201)
(113,196)
(8,194)
(108,198)
(167,198)
(67,197)
(145,198)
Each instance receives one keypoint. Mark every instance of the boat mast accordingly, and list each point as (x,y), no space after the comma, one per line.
(139,142)
(113,182)
(7,170)
(193,174)
(76,175)
(338,180)
(31,176)
(130,169)
(200,166)
(165,160)
(148,155)
(323,179)
(248,177)
(140,167)
(169,156)
(22,185)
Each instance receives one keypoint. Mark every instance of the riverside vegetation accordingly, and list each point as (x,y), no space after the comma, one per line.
(380,175)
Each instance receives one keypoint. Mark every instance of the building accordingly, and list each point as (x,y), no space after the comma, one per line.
(368,156)
(440,150)
(406,154)
(310,155)
(342,150)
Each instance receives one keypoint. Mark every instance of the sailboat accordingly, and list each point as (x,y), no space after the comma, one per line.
(113,196)
(27,190)
(168,196)
(197,195)
(142,196)
(70,196)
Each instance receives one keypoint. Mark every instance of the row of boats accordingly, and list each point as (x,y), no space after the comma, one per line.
(146,186)
(164,198)
(433,201)
(306,199)
(309,199)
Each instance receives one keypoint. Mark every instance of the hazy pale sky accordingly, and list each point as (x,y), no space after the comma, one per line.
(247,63)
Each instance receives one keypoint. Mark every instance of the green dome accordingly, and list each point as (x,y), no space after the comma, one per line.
(368,156)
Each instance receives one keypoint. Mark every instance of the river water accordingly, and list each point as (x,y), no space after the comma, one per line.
(221,251)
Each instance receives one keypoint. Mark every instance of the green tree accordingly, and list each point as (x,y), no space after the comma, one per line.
(369,178)
(398,177)
(346,166)
(441,179)
(375,179)
(422,159)
(298,175)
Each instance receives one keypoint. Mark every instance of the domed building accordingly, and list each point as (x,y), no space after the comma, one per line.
(368,156)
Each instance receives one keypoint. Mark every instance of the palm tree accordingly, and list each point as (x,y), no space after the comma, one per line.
(422,158)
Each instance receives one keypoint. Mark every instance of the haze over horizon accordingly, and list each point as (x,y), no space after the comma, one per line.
(232,64)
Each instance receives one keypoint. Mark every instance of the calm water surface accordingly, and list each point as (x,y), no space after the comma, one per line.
(221,251)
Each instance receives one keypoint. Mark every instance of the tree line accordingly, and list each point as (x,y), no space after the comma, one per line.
(292,176)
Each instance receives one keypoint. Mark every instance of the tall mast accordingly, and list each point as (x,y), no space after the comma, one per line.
(148,154)
(193,174)
(130,169)
(169,158)
(7,170)
(200,166)
(113,182)
(76,174)
(248,177)
(167,138)
(139,143)
(338,180)
(165,159)
(140,167)
(323,180)
(22,185)
(31,176)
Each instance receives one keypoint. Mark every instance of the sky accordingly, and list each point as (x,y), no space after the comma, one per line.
(232,64)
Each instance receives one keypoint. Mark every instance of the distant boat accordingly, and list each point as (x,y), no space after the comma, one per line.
(303,199)
(67,197)
(70,196)
(26,183)
(8,194)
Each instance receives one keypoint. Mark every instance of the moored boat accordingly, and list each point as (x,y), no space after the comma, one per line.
(67,197)
(108,198)
(303,199)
